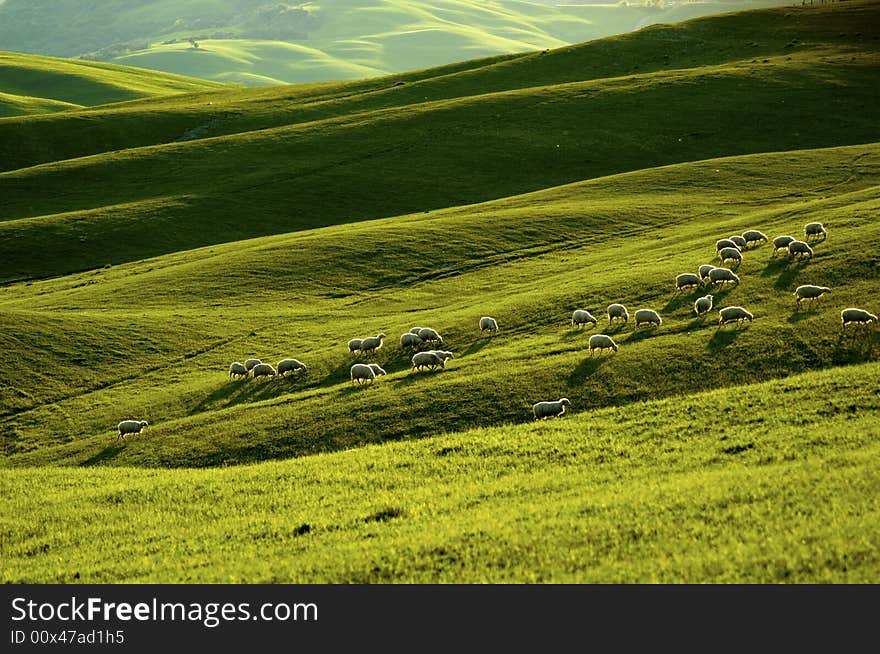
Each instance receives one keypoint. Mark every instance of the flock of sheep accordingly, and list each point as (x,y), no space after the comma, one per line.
(727,250)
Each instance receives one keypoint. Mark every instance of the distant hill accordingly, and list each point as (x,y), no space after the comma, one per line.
(256,42)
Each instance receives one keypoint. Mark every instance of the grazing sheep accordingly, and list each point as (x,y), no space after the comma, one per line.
(815,229)
(290,365)
(687,280)
(416,330)
(430,336)
(442,356)
(648,316)
(429,359)
(741,242)
(857,316)
(733,314)
(378,370)
(581,317)
(354,345)
(250,363)
(781,243)
(601,342)
(810,292)
(730,254)
(799,249)
(130,427)
(263,370)
(704,271)
(753,237)
(722,243)
(410,340)
(703,305)
(722,276)
(550,409)
(362,373)
(617,311)
(488,323)
(371,344)
(237,369)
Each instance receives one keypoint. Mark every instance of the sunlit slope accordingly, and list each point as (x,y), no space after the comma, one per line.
(87,83)
(155,338)
(777,482)
(18,105)
(744,39)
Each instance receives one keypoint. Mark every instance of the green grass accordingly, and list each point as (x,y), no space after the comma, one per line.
(17,105)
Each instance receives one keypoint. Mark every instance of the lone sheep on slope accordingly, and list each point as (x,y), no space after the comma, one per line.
(371,344)
(250,363)
(237,369)
(739,240)
(647,316)
(354,345)
(290,365)
(722,276)
(733,314)
(730,254)
(550,409)
(703,305)
(601,342)
(617,311)
(815,229)
(362,373)
(799,250)
(687,280)
(857,317)
(581,317)
(754,237)
(487,323)
(410,340)
(810,292)
(263,370)
(782,243)
(130,427)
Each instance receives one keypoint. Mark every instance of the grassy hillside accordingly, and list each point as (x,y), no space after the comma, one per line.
(18,105)
(333,162)
(723,486)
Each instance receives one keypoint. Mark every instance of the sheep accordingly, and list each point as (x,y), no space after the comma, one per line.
(130,427)
(250,363)
(722,276)
(371,344)
(601,342)
(354,345)
(617,311)
(687,280)
(733,314)
(237,369)
(741,242)
(442,357)
(378,370)
(722,243)
(810,292)
(703,305)
(263,370)
(581,317)
(290,365)
(704,271)
(799,249)
(753,237)
(730,254)
(781,243)
(648,316)
(857,316)
(430,336)
(410,340)
(815,229)
(429,359)
(416,330)
(555,409)
(487,323)
(362,373)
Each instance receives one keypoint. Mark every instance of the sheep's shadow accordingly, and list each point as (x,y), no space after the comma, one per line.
(574,332)
(854,347)
(722,338)
(799,315)
(640,334)
(585,369)
(788,274)
(679,300)
(775,266)
(107,454)
(477,345)
(416,376)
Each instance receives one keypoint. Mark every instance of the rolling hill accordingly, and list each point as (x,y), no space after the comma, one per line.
(147,245)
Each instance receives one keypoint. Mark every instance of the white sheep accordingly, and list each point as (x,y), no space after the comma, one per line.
(722,243)
(687,280)
(555,409)
(428,359)
(237,369)
(250,363)
(799,249)
(362,373)
(704,271)
(810,292)
(263,370)
(371,344)
(815,229)
(378,370)
(730,254)
(753,237)
(703,305)
(740,241)
(290,365)
(617,311)
(601,342)
(647,316)
(581,317)
(410,340)
(722,276)
(430,336)
(782,242)
(354,345)
(487,323)
(442,356)
(733,314)
(857,316)
(130,427)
